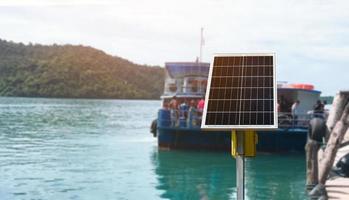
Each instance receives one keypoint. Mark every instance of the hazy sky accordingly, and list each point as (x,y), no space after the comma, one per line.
(310,37)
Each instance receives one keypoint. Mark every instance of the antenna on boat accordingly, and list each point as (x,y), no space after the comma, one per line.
(202,43)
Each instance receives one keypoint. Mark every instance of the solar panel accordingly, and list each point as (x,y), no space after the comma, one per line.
(241,92)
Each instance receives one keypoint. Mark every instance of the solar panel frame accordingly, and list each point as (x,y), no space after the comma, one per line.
(274,125)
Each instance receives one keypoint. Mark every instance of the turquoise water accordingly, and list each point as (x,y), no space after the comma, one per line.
(102,149)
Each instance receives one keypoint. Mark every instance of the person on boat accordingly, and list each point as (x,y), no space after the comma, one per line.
(192,114)
(324,103)
(174,102)
(295,111)
(201,105)
(284,105)
(166,106)
(319,109)
(200,109)
(174,111)
(326,111)
(183,109)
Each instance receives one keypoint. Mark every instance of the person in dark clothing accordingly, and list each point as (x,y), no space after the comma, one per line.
(283,104)
(183,109)
(324,103)
(319,107)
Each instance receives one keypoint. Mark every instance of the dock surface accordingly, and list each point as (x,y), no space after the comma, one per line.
(338,187)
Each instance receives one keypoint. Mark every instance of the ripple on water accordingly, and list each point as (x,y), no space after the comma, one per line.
(19,193)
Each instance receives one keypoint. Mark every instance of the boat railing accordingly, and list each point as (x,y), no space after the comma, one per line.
(287,120)
(182,119)
(186,120)
(186,91)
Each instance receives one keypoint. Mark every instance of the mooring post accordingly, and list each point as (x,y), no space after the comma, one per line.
(240,166)
(316,133)
(311,150)
(338,105)
(337,125)
(332,146)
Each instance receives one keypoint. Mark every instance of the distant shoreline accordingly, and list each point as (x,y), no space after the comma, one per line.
(74,71)
(79,98)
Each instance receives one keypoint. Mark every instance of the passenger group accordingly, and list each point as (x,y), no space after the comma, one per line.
(186,113)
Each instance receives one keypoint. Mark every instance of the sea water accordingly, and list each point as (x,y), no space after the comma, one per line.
(102,149)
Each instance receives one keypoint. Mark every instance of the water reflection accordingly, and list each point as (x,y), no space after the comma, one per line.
(276,177)
(194,175)
(207,175)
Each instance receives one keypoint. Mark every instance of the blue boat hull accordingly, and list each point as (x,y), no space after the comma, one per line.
(282,140)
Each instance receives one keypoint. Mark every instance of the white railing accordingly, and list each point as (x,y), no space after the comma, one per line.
(285,120)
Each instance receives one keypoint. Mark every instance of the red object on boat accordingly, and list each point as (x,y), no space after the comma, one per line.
(302,86)
(201,104)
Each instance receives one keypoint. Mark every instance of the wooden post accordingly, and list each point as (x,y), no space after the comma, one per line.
(334,141)
(317,130)
(328,155)
(312,148)
(346,136)
(336,111)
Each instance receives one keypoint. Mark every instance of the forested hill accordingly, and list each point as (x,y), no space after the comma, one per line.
(74,72)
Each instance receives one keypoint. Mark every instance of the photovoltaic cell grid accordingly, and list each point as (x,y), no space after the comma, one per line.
(241,92)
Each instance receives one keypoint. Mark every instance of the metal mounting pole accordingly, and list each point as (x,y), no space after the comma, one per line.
(201,43)
(240,166)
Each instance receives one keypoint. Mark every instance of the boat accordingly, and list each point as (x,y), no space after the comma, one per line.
(187,82)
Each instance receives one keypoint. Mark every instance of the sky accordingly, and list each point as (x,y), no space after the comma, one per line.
(309,37)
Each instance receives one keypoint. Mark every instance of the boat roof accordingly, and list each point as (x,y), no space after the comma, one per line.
(182,69)
(299,89)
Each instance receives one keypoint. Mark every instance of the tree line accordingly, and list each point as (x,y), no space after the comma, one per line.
(74,71)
